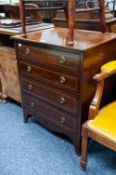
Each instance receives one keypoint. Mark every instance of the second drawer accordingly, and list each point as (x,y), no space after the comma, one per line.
(51,77)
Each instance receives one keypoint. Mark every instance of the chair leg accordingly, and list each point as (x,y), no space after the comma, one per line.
(84,147)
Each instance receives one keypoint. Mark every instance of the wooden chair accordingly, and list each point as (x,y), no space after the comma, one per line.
(69,8)
(101,125)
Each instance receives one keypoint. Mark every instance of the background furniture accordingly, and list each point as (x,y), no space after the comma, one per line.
(85,21)
(9,74)
(8,63)
(89,20)
(56,78)
(101,124)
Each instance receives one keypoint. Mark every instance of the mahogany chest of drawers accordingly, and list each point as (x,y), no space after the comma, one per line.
(56,80)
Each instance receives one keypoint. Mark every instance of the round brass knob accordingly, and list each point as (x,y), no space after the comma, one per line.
(62,100)
(32,104)
(62,120)
(30,87)
(29,69)
(19,45)
(62,60)
(62,79)
(27,51)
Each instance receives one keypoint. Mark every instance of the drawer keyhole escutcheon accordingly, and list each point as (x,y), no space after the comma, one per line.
(30,87)
(62,100)
(62,60)
(32,104)
(62,120)
(27,51)
(62,79)
(29,69)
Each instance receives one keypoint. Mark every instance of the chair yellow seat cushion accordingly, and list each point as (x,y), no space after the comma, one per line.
(105,122)
(109,67)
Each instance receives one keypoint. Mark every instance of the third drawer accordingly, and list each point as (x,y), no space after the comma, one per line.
(51,95)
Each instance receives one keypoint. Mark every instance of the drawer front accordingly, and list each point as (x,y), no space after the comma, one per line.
(49,57)
(45,110)
(55,97)
(48,76)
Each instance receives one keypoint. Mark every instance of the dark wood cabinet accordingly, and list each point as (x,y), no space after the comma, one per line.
(56,79)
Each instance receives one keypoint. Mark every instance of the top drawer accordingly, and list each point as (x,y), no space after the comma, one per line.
(61,59)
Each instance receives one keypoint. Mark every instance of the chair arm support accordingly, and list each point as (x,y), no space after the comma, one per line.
(95,104)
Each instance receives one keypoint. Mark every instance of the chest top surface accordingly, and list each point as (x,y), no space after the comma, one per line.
(83,39)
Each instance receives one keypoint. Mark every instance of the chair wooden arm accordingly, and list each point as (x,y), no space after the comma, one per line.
(107,70)
(103,75)
(95,104)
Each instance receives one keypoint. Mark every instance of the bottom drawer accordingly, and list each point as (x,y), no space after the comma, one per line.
(43,109)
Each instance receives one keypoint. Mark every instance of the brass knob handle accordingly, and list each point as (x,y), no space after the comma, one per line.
(62,60)
(62,120)
(27,51)
(30,87)
(62,100)
(62,80)
(19,45)
(32,104)
(29,69)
